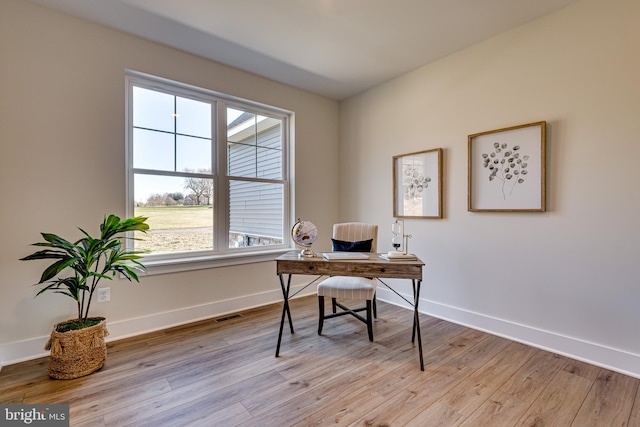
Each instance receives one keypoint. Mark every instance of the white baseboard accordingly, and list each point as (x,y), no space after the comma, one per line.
(606,357)
(21,351)
(596,354)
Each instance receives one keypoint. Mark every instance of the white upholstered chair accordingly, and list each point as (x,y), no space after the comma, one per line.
(352,288)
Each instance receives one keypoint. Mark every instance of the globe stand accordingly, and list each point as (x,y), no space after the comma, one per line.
(306,253)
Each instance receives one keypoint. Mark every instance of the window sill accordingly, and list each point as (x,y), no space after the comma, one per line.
(203,262)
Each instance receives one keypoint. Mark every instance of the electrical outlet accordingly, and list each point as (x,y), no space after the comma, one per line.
(104,294)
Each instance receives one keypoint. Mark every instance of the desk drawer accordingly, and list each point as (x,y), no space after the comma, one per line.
(386,270)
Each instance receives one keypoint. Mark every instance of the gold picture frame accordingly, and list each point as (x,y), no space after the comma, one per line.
(417,184)
(507,169)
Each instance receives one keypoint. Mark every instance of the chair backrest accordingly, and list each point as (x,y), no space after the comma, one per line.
(355,232)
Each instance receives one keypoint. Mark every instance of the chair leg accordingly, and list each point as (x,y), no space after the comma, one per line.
(320,314)
(375,307)
(333,305)
(369,321)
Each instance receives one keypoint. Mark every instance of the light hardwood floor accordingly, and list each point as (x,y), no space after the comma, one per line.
(225,374)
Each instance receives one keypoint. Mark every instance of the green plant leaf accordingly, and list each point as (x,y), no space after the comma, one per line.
(56,268)
(44,254)
(128,272)
(56,240)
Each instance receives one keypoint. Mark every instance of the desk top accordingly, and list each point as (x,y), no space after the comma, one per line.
(374,266)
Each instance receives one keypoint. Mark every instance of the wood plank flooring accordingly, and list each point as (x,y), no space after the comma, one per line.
(225,374)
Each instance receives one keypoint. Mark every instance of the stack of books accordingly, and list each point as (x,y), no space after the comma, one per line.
(398,256)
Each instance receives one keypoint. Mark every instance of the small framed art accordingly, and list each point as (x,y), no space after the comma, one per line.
(507,169)
(417,184)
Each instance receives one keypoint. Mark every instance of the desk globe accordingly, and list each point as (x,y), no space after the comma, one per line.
(304,233)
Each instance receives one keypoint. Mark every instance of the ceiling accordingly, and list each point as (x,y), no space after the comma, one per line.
(336,48)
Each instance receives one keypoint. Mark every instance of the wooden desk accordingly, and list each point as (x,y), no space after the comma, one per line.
(290,264)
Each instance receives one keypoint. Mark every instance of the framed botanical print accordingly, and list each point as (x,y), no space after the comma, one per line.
(507,169)
(417,184)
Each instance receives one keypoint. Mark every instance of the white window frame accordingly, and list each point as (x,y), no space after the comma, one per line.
(221,255)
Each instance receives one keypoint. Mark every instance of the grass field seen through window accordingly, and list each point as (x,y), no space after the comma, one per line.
(176,229)
(172,217)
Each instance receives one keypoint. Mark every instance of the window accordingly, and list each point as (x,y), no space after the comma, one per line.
(209,171)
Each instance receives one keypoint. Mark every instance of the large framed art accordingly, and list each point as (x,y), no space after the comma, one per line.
(417,184)
(507,169)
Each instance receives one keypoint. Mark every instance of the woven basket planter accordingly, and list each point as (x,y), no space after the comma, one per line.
(79,352)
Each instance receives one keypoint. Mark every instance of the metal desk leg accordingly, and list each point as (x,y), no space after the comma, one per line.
(285,309)
(415,298)
(416,320)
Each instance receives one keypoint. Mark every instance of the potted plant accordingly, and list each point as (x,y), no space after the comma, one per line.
(77,346)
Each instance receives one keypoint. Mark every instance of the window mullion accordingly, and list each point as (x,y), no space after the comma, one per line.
(175,133)
(287,166)
(129,191)
(221,183)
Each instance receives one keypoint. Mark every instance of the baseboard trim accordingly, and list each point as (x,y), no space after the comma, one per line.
(605,357)
(21,351)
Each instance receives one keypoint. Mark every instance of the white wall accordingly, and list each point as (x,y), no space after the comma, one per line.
(568,279)
(62,165)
